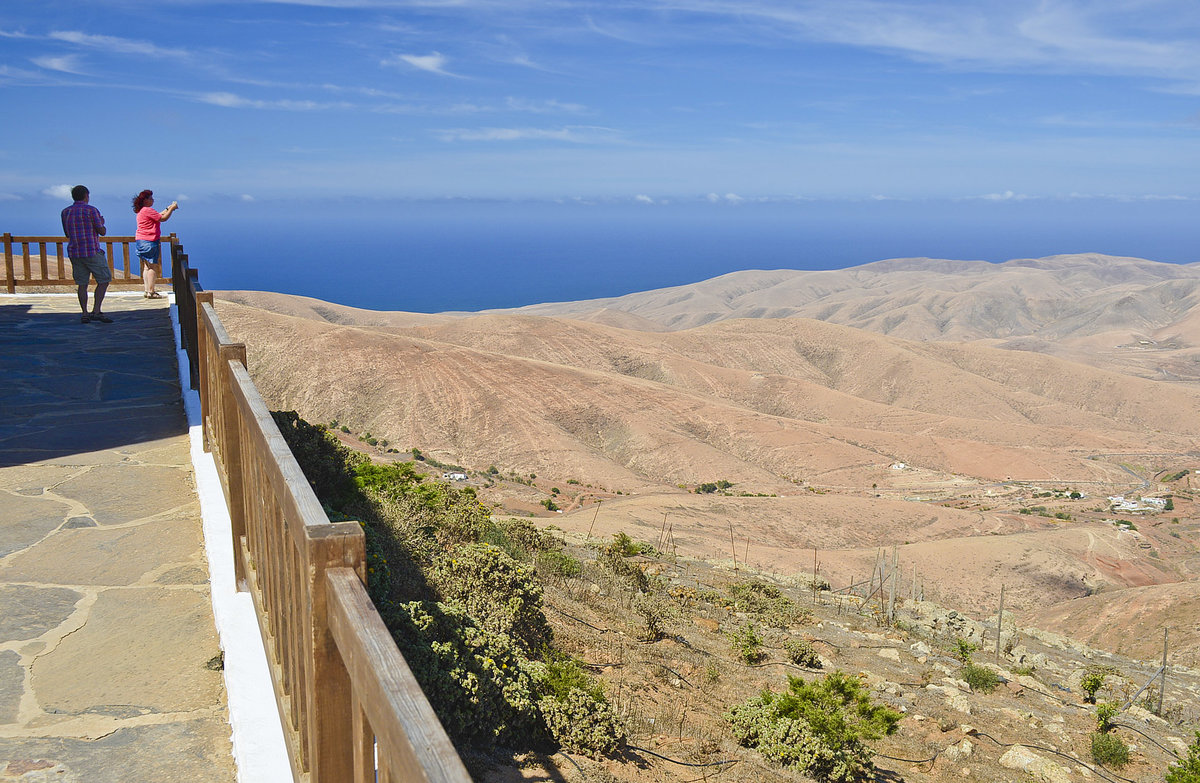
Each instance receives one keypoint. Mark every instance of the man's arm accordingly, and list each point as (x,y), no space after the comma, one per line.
(101,229)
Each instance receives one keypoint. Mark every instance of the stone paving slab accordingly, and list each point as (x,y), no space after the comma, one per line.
(110,668)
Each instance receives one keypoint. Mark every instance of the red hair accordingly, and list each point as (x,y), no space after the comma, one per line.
(140,199)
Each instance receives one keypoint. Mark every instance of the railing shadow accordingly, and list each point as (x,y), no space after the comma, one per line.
(69,389)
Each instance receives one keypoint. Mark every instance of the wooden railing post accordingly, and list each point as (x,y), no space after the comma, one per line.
(331,720)
(231,453)
(200,371)
(191,284)
(9,272)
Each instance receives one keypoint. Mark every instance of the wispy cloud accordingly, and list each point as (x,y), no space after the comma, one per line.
(57,191)
(66,64)
(110,43)
(1104,36)
(544,107)
(434,62)
(1007,195)
(231,101)
(572,134)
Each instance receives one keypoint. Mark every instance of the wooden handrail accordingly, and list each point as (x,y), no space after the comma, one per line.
(349,705)
(41,268)
(383,686)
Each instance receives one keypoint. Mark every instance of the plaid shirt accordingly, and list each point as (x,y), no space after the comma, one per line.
(82,224)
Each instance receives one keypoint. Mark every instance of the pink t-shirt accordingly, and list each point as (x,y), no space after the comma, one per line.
(148,219)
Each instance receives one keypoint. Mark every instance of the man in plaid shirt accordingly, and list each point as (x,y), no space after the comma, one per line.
(84,225)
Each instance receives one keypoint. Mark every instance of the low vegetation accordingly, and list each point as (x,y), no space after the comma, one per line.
(461,597)
(1188,768)
(818,728)
(527,645)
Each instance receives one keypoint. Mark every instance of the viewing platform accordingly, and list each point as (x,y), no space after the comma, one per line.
(174,602)
(110,665)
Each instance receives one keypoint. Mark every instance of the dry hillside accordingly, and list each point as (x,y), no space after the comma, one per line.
(929,405)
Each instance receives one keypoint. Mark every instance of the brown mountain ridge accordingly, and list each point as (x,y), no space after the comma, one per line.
(918,403)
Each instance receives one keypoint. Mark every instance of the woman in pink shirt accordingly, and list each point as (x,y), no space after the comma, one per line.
(147,238)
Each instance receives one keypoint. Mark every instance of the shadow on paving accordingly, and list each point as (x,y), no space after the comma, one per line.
(71,389)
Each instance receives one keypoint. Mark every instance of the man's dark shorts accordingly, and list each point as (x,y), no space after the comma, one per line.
(90,266)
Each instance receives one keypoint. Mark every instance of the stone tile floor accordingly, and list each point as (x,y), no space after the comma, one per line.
(109,660)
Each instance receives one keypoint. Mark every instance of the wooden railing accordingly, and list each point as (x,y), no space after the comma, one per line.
(27,262)
(351,710)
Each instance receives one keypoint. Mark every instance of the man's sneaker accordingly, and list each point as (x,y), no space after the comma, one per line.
(102,318)
(85,318)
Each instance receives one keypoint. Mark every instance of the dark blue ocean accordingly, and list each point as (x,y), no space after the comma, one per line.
(473,255)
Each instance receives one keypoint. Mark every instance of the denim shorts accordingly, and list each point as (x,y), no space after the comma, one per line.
(90,266)
(148,250)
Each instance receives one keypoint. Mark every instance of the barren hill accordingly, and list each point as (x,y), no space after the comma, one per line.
(977,416)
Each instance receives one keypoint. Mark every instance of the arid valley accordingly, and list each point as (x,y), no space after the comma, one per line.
(1029,428)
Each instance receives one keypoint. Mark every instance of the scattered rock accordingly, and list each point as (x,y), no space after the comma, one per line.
(1021,758)
(959,751)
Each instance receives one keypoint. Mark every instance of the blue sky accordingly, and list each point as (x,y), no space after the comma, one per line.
(647,101)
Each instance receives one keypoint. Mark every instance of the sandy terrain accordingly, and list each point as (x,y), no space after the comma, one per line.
(864,403)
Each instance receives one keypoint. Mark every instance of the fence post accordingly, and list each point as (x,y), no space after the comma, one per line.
(999,623)
(200,371)
(231,454)
(330,698)
(1163,688)
(191,285)
(10,283)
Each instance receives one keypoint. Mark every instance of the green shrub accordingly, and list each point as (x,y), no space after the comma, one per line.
(481,688)
(747,644)
(766,602)
(655,613)
(964,649)
(326,463)
(625,546)
(1092,681)
(558,564)
(573,708)
(980,678)
(1104,715)
(801,653)
(520,538)
(819,729)
(612,559)
(1188,769)
(1109,750)
(502,595)
(582,723)
(564,674)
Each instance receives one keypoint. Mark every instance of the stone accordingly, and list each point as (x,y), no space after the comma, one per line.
(138,754)
(955,699)
(889,653)
(127,634)
(28,520)
(192,574)
(1024,760)
(12,686)
(70,556)
(959,751)
(115,494)
(31,611)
